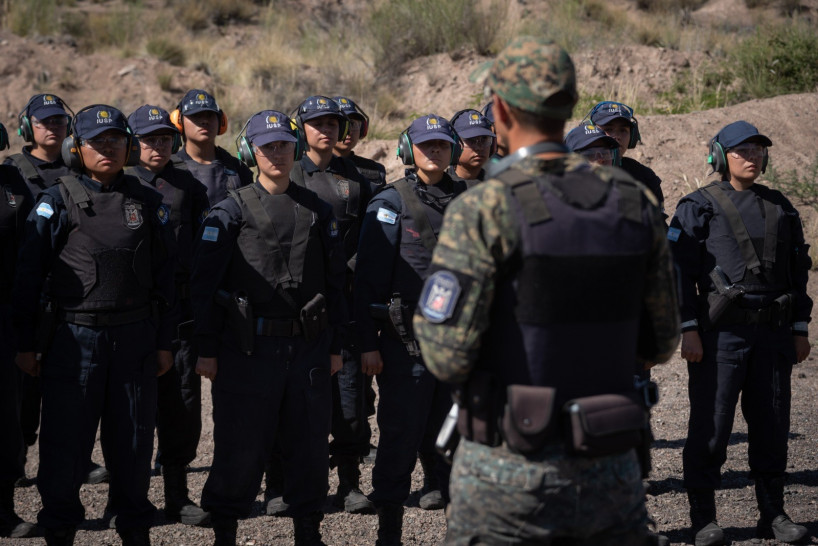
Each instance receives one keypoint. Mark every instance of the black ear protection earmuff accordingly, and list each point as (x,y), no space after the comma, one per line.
(717,158)
(407,156)
(244,149)
(70,146)
(359,112)
(176,120)
(25,130)
(4,137)
(635,136)
(343,119)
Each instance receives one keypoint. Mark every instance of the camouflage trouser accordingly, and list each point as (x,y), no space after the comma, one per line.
(499,497)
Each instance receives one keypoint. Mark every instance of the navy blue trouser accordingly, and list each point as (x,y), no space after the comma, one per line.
(755,361)
(179,417)
(408,400)
(93,374)
(350,426)
(12,449)
(280,392)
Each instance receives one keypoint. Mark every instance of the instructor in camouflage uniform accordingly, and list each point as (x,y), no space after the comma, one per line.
(546,255)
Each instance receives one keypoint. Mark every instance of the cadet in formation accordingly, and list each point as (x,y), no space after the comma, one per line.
(267,293)
(544,255)
(398,235)
(476,139)
(184,208)
(15,204)
(743,267)
(105,332)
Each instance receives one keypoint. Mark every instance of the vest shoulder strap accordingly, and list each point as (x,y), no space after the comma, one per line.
(79,195)
(178,162)
(26,167)
(525,190)
(415,208)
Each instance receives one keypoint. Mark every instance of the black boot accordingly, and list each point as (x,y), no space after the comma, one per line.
(349,495)
(138,536)
(178,505)
(274,504)
(431,497)
(11,525)
(59,537)
(703,518)
(225,531)
(96,474)
(390,525)
(774,522)
(307,529)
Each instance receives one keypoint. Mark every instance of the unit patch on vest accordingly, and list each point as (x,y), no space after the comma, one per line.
(439,296)
(10,199)
(333,228)
(133,216)
(343,189)
(211,234)
(163,213)
(387,216)
(673,234)
(45,210)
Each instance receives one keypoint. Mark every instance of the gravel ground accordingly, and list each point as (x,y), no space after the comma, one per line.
(666,500)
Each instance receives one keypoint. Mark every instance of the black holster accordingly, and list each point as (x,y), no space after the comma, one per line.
(314,318)
(240,318)
(46,327)
(478,417)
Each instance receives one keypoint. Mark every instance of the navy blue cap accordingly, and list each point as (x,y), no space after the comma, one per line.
(588,135)
(149,119)
(488,111)
(738,132)
(198,100)
(317,106)
(605,112)
(44,106)
(471,123)
(270,126)
(97,119)
(349,107)
(430,127)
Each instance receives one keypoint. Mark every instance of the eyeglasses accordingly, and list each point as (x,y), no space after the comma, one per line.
(597,154)
(99,143)
(51,121)
(747,150)
(158,141)
(275,148)
(483,141)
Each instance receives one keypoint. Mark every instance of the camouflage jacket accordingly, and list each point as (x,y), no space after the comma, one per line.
(478,240)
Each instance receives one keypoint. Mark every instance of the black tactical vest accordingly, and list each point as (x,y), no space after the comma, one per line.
(345,197)
(566,311)
(750,237)
(105,264)
(280,261)
(38,179)
(421,218)
(15,202)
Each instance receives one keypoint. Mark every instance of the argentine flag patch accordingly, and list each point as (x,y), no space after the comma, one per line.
(673,234)
(211,234)
(45,210)
(387,216)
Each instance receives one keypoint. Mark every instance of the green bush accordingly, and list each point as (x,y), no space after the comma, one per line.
(25,17)
(167,50)
(198,14)
(406,29)
(801,189)
(777,60)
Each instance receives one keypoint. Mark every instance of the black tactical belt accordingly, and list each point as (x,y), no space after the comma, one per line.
(737,315)
(183,291)
(278,327)
(105,318)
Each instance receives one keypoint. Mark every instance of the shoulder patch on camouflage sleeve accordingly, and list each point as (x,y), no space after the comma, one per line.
(439,296)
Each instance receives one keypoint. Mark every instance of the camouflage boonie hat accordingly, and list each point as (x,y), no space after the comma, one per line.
(528,74)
